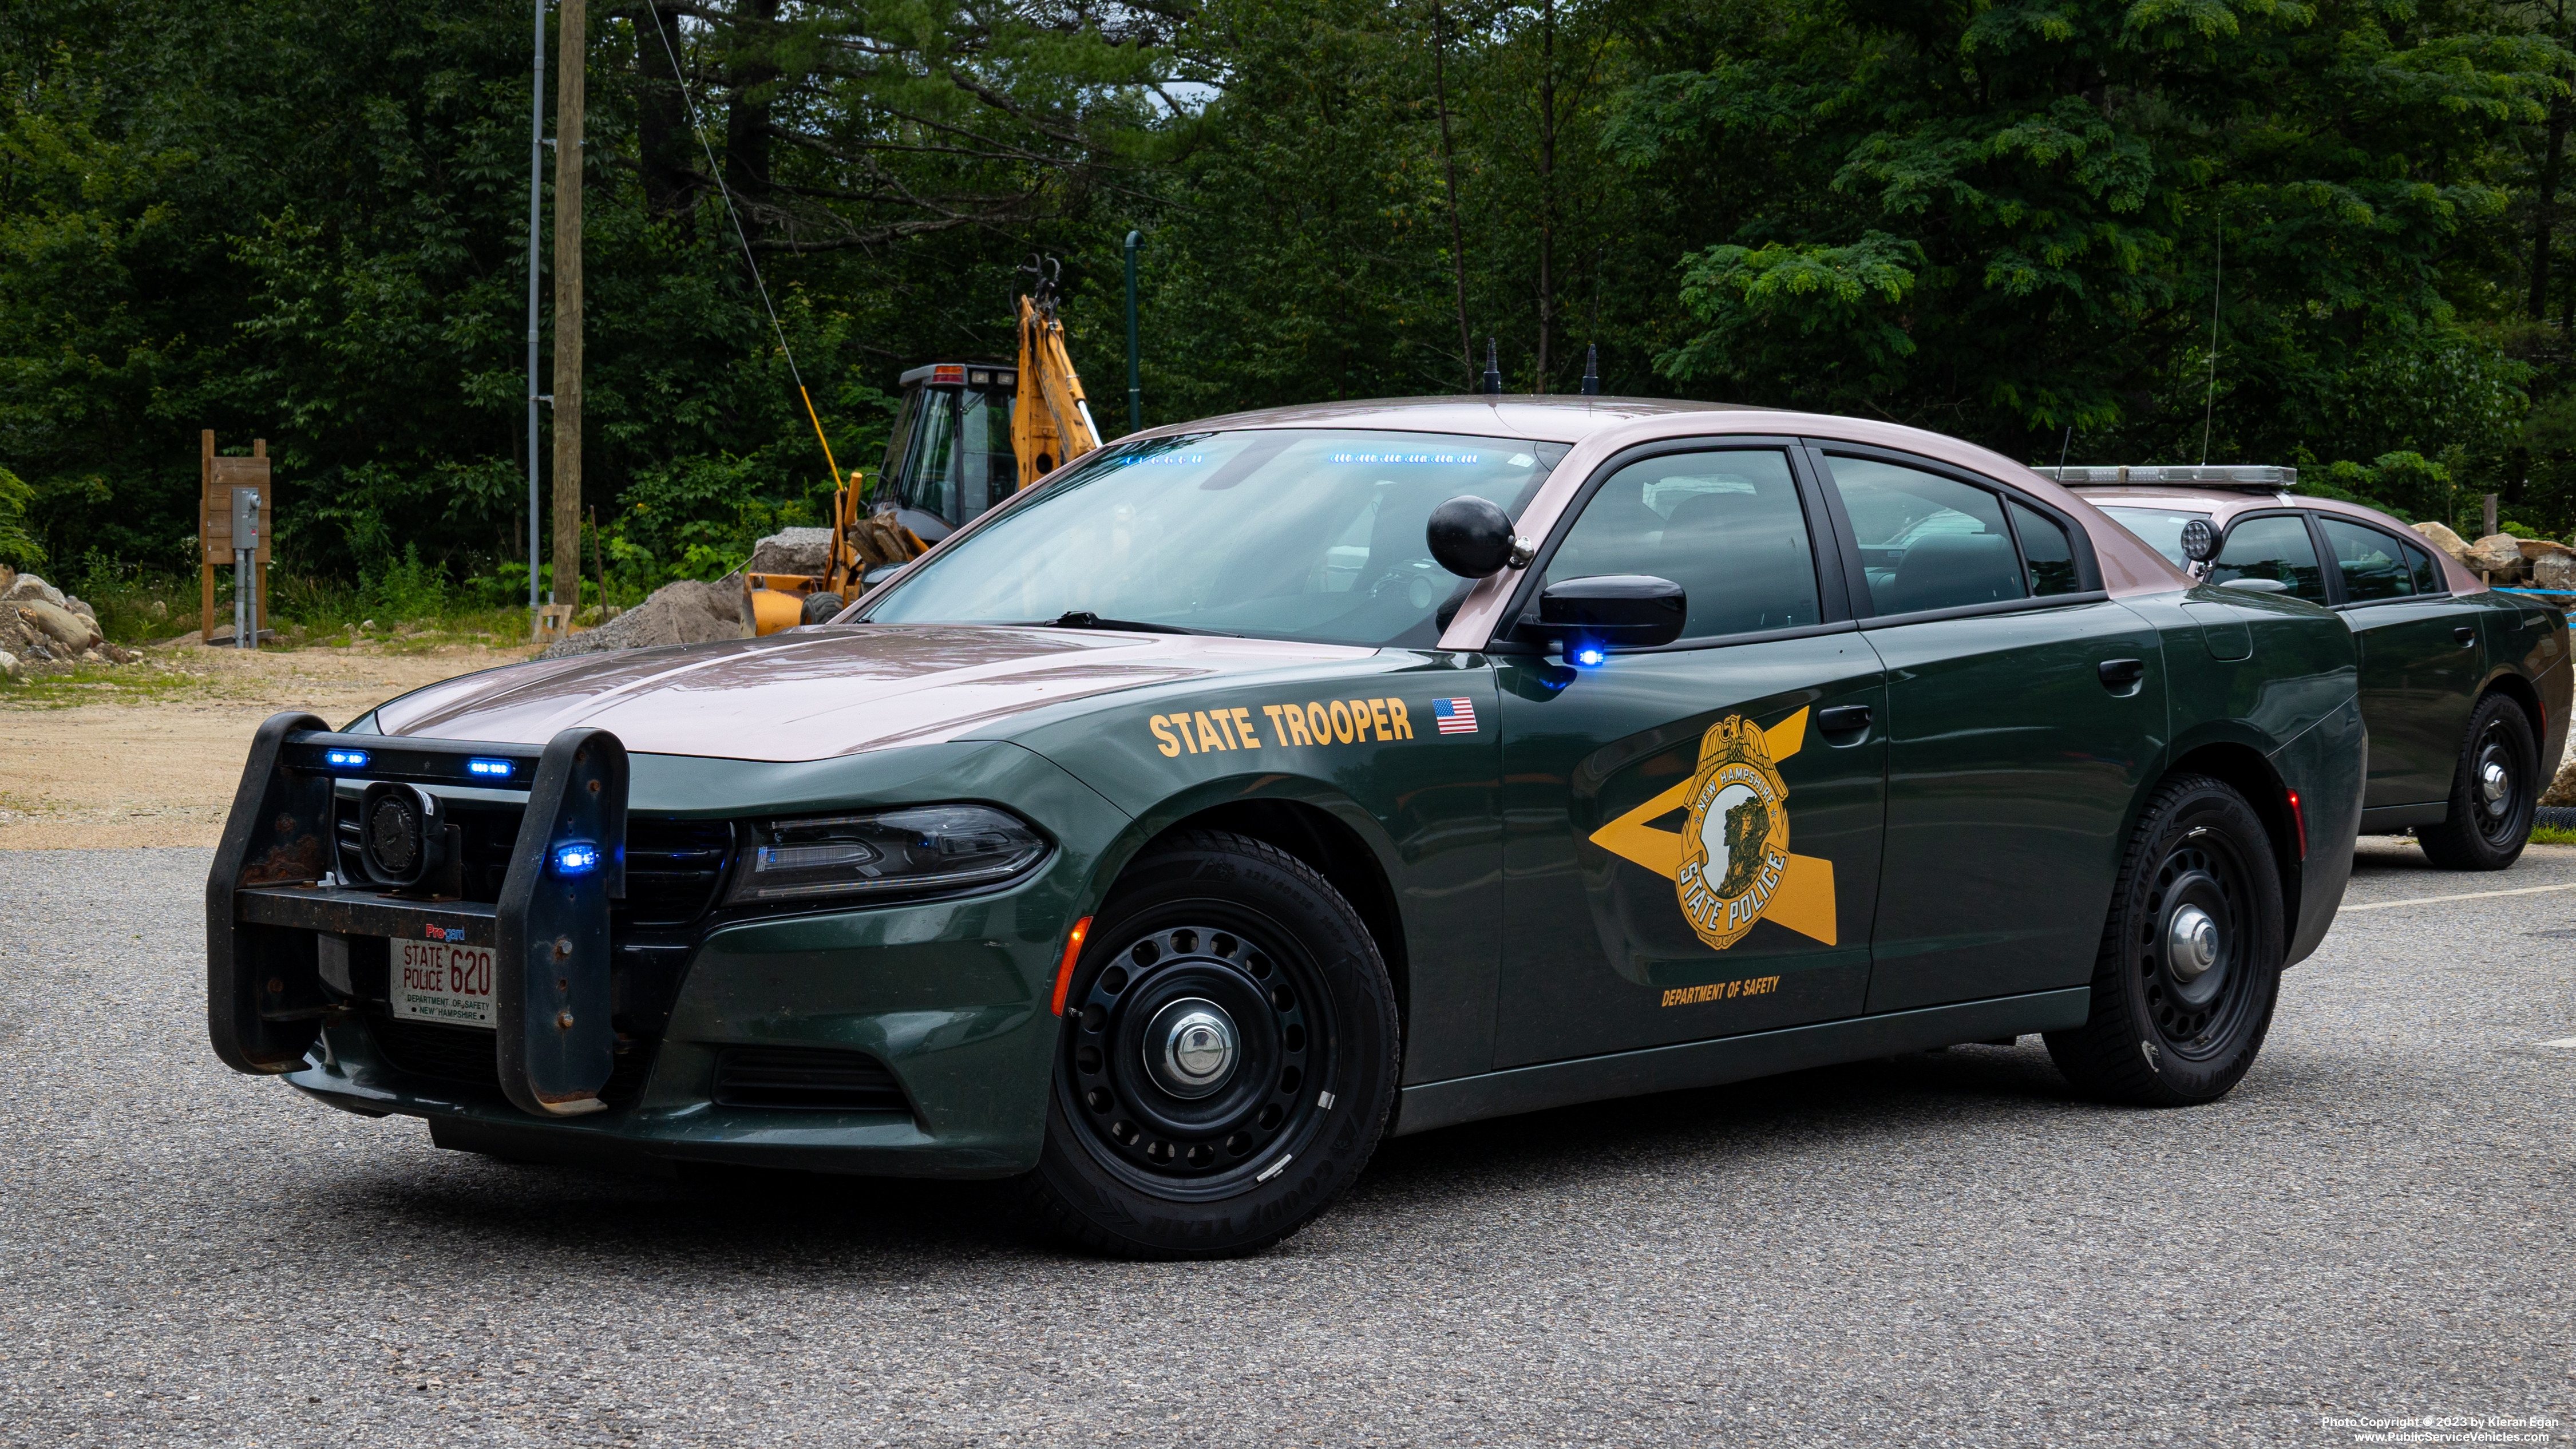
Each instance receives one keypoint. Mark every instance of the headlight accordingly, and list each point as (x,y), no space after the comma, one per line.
(922,848)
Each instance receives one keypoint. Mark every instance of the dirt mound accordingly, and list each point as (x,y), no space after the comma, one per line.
(685,612)
(792,551)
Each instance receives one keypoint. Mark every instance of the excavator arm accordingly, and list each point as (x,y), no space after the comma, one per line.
(1051,423)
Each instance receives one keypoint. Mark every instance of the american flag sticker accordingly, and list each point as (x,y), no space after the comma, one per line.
(1456,716)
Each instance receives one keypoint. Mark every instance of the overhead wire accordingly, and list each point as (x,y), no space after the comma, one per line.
(698,129)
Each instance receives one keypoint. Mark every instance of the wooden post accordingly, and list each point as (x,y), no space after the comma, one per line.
(259,566)
(571,63)
(205,555)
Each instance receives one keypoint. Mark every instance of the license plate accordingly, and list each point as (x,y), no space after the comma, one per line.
(433,981)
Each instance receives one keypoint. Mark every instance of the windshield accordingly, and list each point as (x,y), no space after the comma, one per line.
(2160,528)
(1313,535)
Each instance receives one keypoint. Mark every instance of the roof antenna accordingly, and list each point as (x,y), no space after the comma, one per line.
(1493,371)
(2210,404)
(1592,370)
(2061,452)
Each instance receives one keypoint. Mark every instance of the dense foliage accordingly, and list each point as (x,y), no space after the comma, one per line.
(2029,222)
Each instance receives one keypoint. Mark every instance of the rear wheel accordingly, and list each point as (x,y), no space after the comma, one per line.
(2493,792)
(821,606)
(1228,1056)
(2191,955)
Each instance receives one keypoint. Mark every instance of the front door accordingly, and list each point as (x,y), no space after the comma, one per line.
(2420,661)
(2024,710)
(1691,832)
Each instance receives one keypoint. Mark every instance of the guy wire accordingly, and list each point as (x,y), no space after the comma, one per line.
(698,128)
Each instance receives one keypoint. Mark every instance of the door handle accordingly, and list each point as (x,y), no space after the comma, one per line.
(2466,634)
(1843,719)
(2121,673)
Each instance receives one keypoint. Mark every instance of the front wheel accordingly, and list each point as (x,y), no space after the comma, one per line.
(2494,791)
(2191,955)
(1228,1056)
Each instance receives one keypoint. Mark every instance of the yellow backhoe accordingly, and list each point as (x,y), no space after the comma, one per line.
(966,436)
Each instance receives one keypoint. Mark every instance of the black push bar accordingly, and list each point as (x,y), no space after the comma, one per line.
(273,897)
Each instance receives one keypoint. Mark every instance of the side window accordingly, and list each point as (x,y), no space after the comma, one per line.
(2274,549)
(2428,574)
(2047,559)
(2373,565)
(1726,526)
(1927,542)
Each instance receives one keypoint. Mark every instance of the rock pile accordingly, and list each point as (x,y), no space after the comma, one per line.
(41,624)
(685,612)
(2507,561)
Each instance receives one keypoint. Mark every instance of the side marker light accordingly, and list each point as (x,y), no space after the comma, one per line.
(2299,816)
(345,759)
(1072,953)
(579,858)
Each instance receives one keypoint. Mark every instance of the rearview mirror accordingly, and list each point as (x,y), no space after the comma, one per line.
(1635,610)
(1472,538)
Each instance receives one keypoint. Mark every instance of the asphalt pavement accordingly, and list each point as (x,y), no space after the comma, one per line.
(1943,1248)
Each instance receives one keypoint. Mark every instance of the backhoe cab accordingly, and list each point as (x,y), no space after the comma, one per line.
(966,436)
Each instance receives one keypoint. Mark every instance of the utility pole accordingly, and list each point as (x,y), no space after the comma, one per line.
(536,217)
(572,53)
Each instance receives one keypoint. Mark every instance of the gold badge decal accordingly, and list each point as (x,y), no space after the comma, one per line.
(1737,842)
(1730,866)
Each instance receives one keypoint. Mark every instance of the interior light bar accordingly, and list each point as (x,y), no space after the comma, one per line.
(2234,475)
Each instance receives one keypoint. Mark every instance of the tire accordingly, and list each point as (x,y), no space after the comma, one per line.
(820,607)
(2494,791)
(1143,1159)
(2170,1027)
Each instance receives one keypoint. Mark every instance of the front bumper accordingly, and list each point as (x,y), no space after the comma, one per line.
(951,996)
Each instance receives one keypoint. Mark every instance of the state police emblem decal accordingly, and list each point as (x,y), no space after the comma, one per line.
(1736,844)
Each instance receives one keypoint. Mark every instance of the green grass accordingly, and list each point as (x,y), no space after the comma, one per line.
(2552,835)
(68,687)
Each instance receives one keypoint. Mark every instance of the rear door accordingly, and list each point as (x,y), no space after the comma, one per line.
(2421,658)
(1691,832)
(2024,709)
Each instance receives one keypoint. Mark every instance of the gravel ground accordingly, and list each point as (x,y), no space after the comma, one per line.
(1940,1248)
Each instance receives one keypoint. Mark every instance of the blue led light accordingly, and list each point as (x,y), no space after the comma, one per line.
(345,759)
(1588,655)
(578,858)
(487,767)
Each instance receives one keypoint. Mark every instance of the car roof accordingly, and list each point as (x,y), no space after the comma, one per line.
(2225,505)
(1541,417)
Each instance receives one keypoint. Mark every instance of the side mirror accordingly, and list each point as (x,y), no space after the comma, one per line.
(1612,609)
(1472,538)
(2257,586)
(2199,541)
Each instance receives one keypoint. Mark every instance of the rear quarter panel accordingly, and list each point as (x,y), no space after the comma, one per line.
(2295,703)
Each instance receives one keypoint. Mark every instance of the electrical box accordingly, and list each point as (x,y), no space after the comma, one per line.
(246,519)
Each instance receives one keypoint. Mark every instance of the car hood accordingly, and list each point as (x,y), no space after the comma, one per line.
(812,694)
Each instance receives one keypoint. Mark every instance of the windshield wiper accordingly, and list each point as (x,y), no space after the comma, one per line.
(1085,619)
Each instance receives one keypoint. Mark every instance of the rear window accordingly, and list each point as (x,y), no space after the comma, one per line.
(2160,528)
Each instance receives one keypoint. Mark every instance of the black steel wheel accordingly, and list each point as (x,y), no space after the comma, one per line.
(1228,1055)
(2191,954)
(2494,791)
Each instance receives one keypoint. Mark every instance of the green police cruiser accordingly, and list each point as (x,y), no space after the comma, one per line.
(1252,789)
